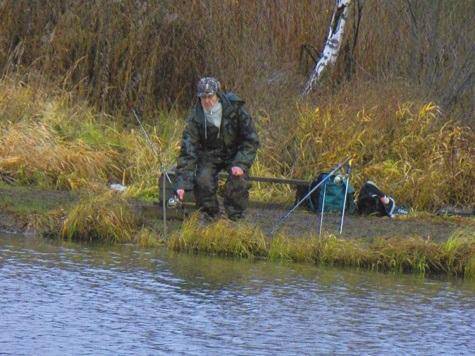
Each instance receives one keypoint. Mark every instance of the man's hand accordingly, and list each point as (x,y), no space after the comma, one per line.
(237,171)
(181,194)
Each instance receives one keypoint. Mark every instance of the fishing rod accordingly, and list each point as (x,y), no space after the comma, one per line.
(150,143)
(283,218)
(164,172)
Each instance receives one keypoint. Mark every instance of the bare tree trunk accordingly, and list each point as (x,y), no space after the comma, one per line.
(332,45)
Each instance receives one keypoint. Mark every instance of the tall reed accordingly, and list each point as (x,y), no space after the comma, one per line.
(411,149)
(150,53)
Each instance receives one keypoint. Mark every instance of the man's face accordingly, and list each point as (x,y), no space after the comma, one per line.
(208,101)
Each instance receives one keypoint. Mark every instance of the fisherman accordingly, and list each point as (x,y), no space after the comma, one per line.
(219,135)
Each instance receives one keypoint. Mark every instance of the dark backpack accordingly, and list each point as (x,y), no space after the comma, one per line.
(369,201)
(334,191)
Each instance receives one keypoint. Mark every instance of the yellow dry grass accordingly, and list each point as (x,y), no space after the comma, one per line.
(221,238)
(33,153)
(105,217)
(49,141)
(412,151)
(405,254)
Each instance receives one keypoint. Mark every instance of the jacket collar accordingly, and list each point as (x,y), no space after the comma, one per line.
(225,102)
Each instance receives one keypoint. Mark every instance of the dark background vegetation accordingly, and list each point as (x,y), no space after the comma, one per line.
(150,53)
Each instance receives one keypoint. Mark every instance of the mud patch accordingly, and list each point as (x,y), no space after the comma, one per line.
(354,226)
(19,205)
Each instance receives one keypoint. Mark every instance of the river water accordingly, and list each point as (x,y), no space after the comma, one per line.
(64,298)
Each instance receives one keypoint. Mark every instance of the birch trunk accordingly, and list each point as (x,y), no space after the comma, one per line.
(332,44)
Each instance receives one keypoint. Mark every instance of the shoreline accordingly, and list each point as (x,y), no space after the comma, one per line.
(21,206)
(423,244)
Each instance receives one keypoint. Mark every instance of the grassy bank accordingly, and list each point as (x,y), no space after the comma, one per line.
(51,141)
(405,254)
(422,158)
(111,218)
(413,254)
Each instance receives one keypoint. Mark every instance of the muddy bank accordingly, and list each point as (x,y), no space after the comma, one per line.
(11,223)
(434,228)
(301,222)
(20,207)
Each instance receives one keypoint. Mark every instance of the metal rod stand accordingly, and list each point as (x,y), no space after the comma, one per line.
(323,209)
(348,172)
(281,220)
(164,206)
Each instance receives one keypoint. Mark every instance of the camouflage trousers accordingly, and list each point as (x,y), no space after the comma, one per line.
(236,190)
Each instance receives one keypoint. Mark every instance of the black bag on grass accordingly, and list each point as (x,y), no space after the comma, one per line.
(369,201)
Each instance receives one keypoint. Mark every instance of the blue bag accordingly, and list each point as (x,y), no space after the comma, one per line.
(334,189)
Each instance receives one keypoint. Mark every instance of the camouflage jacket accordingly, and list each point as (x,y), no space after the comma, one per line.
(234,144)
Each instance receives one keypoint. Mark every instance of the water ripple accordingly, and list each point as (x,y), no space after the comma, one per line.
(69,299)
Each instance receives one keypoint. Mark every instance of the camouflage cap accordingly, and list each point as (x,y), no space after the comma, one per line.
(207,86)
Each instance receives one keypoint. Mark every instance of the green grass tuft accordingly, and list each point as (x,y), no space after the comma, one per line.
(223,238)
(398,254)
(105,217)
(148,238)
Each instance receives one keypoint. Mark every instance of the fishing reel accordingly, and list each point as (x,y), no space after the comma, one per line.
(338,179)
(173,202)
(342,176)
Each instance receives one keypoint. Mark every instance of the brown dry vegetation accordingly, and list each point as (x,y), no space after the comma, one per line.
(108,217)
(413,152)
(400,98)
(151,52)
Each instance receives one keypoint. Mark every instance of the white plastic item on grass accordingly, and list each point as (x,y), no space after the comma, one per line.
(118,187)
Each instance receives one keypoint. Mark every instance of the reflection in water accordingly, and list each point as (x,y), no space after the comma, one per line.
(64,297)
